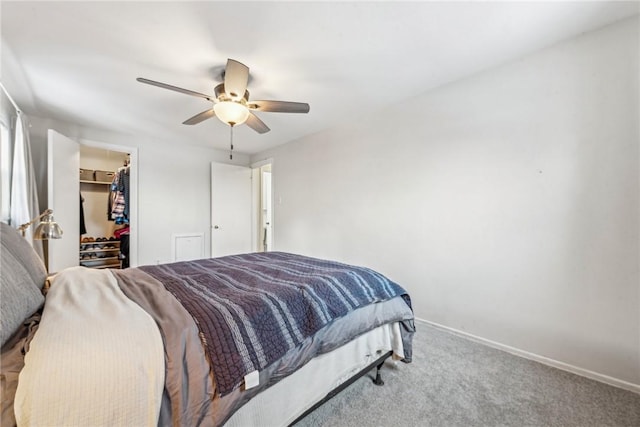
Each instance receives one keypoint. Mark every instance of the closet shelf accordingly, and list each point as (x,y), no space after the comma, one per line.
(84,181)
(88,246)
(89,260)
(95,254)
(106,266)
(90,251)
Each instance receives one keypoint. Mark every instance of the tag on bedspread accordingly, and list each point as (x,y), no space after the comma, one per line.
(252,379)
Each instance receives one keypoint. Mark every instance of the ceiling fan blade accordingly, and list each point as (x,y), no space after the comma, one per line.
(256,124)
(175,88)
(279,106)
(207,114)
(236,77)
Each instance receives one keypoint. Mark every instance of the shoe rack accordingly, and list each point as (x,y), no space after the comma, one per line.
(101,252)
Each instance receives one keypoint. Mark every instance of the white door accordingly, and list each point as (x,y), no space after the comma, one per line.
(230,209)
(63,183)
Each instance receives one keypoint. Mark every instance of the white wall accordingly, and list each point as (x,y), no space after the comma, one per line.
(174,196)
(173,184)
(507,204)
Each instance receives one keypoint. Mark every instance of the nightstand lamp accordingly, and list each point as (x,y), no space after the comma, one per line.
(46,229)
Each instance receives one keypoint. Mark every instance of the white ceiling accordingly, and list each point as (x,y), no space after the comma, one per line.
(78,61)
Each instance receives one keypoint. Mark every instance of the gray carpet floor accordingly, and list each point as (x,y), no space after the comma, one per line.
(457,382)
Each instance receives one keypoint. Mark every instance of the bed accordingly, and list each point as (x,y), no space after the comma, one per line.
(233,341)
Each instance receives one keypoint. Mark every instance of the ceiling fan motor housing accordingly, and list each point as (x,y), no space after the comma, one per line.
(221,94)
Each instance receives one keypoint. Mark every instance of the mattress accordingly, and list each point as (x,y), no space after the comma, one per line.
(324,373)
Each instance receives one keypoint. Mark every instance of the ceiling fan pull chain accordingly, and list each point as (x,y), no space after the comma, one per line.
(231,143)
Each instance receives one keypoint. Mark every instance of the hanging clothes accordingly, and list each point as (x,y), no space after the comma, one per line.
(83,227)
(118,200)
(123,235)
(123,187)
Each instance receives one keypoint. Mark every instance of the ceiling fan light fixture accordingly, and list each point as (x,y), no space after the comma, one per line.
(230,112)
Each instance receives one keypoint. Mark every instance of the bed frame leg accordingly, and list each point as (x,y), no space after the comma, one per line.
(378,380)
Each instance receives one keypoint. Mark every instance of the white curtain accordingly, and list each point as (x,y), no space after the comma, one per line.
(24,194)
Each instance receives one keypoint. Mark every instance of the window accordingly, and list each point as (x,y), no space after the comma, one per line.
(5,173)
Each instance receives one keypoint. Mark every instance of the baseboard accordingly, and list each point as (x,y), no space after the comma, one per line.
(541,359)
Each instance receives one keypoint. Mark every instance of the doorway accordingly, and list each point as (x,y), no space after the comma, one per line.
(263,205)
(99,221)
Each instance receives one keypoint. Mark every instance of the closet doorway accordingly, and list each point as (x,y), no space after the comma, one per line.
(105,226)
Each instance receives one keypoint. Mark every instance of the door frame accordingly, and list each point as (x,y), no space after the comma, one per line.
(133,191)
(256,202)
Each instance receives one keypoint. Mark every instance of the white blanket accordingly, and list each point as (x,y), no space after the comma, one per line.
(97,358)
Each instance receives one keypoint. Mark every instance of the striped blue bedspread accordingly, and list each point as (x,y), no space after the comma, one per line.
(251,309)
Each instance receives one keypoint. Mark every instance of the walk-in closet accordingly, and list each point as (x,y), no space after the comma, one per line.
(104,208)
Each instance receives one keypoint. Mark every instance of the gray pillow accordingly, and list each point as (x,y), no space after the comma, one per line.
(22,276)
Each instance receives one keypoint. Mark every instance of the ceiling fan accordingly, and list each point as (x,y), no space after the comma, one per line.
(231,100)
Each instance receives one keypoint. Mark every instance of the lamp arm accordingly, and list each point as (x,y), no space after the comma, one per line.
(23,227)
